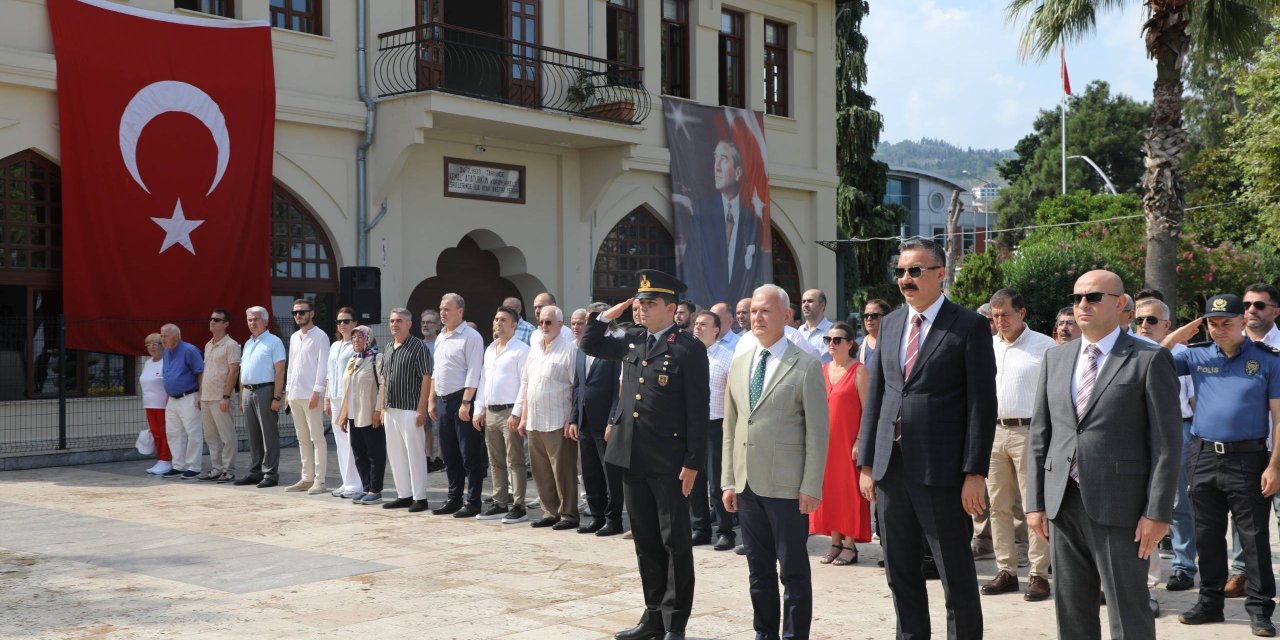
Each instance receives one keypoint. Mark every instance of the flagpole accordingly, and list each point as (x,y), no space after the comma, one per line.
(1064,144)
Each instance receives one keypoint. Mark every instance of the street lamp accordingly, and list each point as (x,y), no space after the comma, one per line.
(1105,179)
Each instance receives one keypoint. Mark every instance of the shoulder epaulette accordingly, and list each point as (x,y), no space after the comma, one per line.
(1266,347)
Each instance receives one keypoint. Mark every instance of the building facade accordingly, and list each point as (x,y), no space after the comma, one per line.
(564,95)
(927,196)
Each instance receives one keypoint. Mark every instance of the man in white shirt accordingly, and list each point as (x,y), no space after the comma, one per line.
(813,309)
(545,410)
(1260,311)
(742,316)
(1019,351)
(304,389)
(504,362)
(458,362)
(706,487)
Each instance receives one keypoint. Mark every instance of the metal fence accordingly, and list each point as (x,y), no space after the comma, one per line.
(54,399)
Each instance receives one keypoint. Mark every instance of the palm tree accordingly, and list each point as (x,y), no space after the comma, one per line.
(1174,29)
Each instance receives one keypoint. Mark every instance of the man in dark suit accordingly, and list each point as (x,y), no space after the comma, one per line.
(927,430)
(1105,444)
(595,398)
(723,259)
(660,438)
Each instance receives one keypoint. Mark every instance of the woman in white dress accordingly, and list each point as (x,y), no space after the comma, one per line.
(339,354)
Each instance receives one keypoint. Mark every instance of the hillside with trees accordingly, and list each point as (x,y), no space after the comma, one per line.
(942,157)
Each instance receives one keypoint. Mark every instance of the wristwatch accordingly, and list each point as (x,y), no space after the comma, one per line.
(275,398)
(226,397)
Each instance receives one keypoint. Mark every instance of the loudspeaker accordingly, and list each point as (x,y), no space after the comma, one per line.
(361,289)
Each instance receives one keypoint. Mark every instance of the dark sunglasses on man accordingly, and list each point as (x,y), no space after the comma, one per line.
(1093,297)
(301,312)
(1259,305)
(914,272)
(1147,320)
(216,320)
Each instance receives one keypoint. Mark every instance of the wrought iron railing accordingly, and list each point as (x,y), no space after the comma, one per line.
(441,57)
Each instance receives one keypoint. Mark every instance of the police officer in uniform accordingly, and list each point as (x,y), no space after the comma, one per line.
(1237,388)
(660,438)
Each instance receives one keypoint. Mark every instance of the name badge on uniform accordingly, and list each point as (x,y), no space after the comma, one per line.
(663,380)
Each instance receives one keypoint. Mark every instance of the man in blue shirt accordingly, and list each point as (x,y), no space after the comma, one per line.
(183,367)
(262,365)
(1237,390)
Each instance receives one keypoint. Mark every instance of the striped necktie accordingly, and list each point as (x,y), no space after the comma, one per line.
(913,352)
(1083,394)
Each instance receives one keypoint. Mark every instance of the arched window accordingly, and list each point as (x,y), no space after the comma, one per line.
(638,241)
(785,272)
(302,262)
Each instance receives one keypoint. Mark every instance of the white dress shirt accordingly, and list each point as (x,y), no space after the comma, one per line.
(814,337)
(308,363)
(503,371)
(771,365)
(930,314)
(1018,372)
(747,342)
(459,360)
(546,387)
(1082,360)
(718,361)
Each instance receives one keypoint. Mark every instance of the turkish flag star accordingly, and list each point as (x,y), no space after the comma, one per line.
(177,229)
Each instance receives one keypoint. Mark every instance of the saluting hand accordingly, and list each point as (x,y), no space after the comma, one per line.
(617,310)
(1182,334)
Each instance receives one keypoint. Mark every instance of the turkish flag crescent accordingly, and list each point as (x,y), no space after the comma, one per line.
(167,129)
(1066,79)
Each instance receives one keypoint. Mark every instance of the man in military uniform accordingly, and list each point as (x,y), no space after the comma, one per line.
(660,438)
(1237,383)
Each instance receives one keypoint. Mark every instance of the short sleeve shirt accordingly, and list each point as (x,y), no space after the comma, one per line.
(1232,394)
(218,358)
(182,367)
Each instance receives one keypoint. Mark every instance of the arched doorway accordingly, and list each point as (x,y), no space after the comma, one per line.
(638,241)
(786,273)
(474,274)
(302,262)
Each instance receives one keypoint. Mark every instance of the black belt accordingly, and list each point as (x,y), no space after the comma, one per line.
(1014,422)
(183,395)
(499,407)
(258,385)
(1242,446)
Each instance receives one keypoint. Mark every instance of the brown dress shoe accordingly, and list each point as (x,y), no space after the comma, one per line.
(1037,589)
(1234,588)
(1004,582)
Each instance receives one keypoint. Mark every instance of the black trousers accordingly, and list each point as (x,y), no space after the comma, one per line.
(777,535)
(907,511)
(370,448)
(466,458)
(706,498)
(660,530)
(603,481)
(1231,483)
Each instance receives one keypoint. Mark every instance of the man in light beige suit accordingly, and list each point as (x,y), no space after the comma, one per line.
(775,437)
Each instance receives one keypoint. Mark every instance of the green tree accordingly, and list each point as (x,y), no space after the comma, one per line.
(860,208)
(1101,125)
(1215,184)
(1174,29)
(1255,146)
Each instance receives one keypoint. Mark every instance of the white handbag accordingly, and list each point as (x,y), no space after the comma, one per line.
(146,445)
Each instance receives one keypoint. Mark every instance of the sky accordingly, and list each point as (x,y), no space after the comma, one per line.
(950,69)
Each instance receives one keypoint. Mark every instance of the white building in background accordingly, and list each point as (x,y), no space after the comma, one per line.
(926,196)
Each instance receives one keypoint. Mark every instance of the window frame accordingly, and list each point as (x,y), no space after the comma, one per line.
(620,8)
(777,67)
(733,47)
(288,14)
(678,30)
(221,8)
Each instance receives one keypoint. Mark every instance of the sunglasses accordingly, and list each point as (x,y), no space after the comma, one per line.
(1259,305)
(216,320)
(1093,297)
(833,339)
(872,316)
(301,312)
(1147,320)
(345,321)
(914,272)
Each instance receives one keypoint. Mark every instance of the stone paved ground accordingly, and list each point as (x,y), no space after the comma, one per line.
(105,551)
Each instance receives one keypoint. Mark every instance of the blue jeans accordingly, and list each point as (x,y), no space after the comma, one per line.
(1183,531)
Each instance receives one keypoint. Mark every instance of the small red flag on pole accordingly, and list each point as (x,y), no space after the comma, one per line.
(1066,79)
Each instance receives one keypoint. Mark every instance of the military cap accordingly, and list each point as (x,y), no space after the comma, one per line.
(657,284)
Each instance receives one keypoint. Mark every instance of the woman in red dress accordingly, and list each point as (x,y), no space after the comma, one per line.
(843,513)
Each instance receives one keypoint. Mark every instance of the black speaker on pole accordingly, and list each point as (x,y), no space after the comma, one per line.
(361,289)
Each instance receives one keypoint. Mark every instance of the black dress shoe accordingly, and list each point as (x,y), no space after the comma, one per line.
(1261,625)
(701,539)
(247,480)
(467,511)
(1179,581)
(639,632)
(1201,615)
(398,503)
(268,482)
(419,506)
(725,543)
(611,529)
(591,527)
(546,521)
(674,635)
(564,524)
(449,507)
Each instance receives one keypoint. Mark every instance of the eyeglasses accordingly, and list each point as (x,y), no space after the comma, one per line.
(345,321)
(301,312)
(872,316)
(833,339)
(1147,320)
(1093,297)
(1259,305)
(914,272)
(216,320)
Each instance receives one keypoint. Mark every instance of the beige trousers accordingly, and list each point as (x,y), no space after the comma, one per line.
(1006,485)
(220,435)
(506,459)
(555,471)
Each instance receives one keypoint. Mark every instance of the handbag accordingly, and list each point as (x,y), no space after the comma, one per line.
(146,444)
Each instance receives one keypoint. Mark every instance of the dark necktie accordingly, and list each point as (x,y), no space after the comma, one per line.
(650,344)
(757,379)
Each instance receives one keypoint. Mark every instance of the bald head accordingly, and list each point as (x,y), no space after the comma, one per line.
(722,311)
(1097,319)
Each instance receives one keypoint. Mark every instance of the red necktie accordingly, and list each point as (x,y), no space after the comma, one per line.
(913,352)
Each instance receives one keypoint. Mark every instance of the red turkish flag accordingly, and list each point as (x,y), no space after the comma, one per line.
(167,127)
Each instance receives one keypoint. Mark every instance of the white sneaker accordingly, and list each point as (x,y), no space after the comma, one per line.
(162,466)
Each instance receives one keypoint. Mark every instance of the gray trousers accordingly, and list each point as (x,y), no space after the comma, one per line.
(1088,557)
(264,433)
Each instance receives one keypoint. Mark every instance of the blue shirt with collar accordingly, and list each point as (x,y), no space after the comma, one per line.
(1232,393)
(258,358)
(182,366)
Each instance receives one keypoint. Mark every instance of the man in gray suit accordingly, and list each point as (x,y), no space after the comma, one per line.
(775,439)
(1106,441)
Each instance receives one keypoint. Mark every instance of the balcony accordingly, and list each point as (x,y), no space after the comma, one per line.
(456,60)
